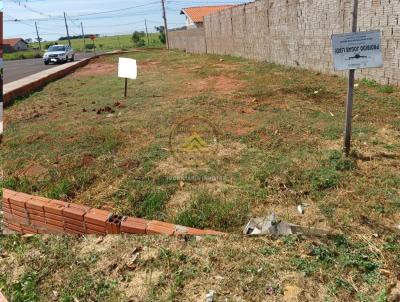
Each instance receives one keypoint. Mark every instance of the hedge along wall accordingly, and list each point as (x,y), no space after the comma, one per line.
(27,214)
(298,33)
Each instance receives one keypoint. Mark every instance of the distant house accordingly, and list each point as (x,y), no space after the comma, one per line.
(17,44)
(195,15)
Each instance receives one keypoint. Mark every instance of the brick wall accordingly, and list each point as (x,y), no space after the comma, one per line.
(27,214)
(297,33)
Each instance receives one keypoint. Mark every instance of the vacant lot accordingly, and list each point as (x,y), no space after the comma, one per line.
(279,133)
(279,145)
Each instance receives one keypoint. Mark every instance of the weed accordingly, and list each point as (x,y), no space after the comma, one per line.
(207,211)
(303,265)
(324,178)
(386,89)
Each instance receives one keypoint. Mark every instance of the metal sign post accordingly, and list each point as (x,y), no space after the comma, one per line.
(126,87)
(127,69)
(350,93)
(351,51)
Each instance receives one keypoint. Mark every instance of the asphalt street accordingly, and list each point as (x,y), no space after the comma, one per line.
(18,69)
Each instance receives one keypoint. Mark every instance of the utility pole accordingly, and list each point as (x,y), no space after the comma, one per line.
(147,32)
(66,26)
(165,24)
(38,37)
(350,94)
(83,35)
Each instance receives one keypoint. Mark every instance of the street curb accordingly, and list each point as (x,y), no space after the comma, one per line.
(36,81)
(29,84)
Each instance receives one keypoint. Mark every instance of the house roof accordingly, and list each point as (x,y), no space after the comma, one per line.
(197,14)
(13,42)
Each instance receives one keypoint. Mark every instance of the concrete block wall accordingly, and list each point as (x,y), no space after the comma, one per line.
(27,214)
(298,33)
(191,40)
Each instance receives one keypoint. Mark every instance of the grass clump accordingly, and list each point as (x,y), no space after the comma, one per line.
(208,211)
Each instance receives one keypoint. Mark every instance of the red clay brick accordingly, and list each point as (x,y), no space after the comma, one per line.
(35,212)
(74,213)
(15,218)
(15,208)
(54,217)
(74,227)
(73,232)
(132,225)
(74,222)
(54,222)
(14,227)
(56,228)
(6,206)
(20,199)
(92,228)
(97,217)
(212,232)
(36,203)
(8,193)
(28,230)
(79,206)
(6,210)
(37,218)
(159,227)
(38,224)
(5,201)
(55,207)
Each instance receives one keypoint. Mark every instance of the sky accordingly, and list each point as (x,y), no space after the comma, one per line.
(104,17)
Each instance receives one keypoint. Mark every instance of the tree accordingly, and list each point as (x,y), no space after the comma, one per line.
(137,38)
(161,30)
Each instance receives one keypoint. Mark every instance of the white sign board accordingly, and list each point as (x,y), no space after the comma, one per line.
(127,68)
(357,50)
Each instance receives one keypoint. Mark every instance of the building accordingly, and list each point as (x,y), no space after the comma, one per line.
(17,44)
(195,15)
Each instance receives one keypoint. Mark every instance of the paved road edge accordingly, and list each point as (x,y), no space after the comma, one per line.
(29,84)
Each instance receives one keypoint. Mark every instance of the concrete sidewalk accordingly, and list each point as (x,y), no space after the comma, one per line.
(27,85)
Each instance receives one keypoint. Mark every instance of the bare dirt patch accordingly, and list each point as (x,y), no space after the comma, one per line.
(96,68)
(221,84)
(148,65)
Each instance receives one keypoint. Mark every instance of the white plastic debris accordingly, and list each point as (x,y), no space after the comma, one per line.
(301,209)
(210,296)
(270,225)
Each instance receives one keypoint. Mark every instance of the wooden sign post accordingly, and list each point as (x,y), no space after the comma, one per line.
(127,69)
(350,92)
(351,51)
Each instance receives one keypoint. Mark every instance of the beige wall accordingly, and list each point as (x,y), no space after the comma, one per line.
(297,33)
(191,40)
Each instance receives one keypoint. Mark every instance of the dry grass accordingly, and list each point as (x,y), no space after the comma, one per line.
(279,133)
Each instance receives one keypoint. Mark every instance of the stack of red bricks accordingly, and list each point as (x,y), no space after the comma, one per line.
(27,214)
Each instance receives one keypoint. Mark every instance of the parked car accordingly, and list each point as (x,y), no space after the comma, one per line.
(58,54)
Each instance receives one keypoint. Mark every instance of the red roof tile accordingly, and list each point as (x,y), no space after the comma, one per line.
(13,42)
(197,14)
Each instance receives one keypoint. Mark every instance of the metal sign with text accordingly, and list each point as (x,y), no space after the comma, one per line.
(357,50)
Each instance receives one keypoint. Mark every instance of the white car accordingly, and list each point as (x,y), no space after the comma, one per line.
(58,54)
